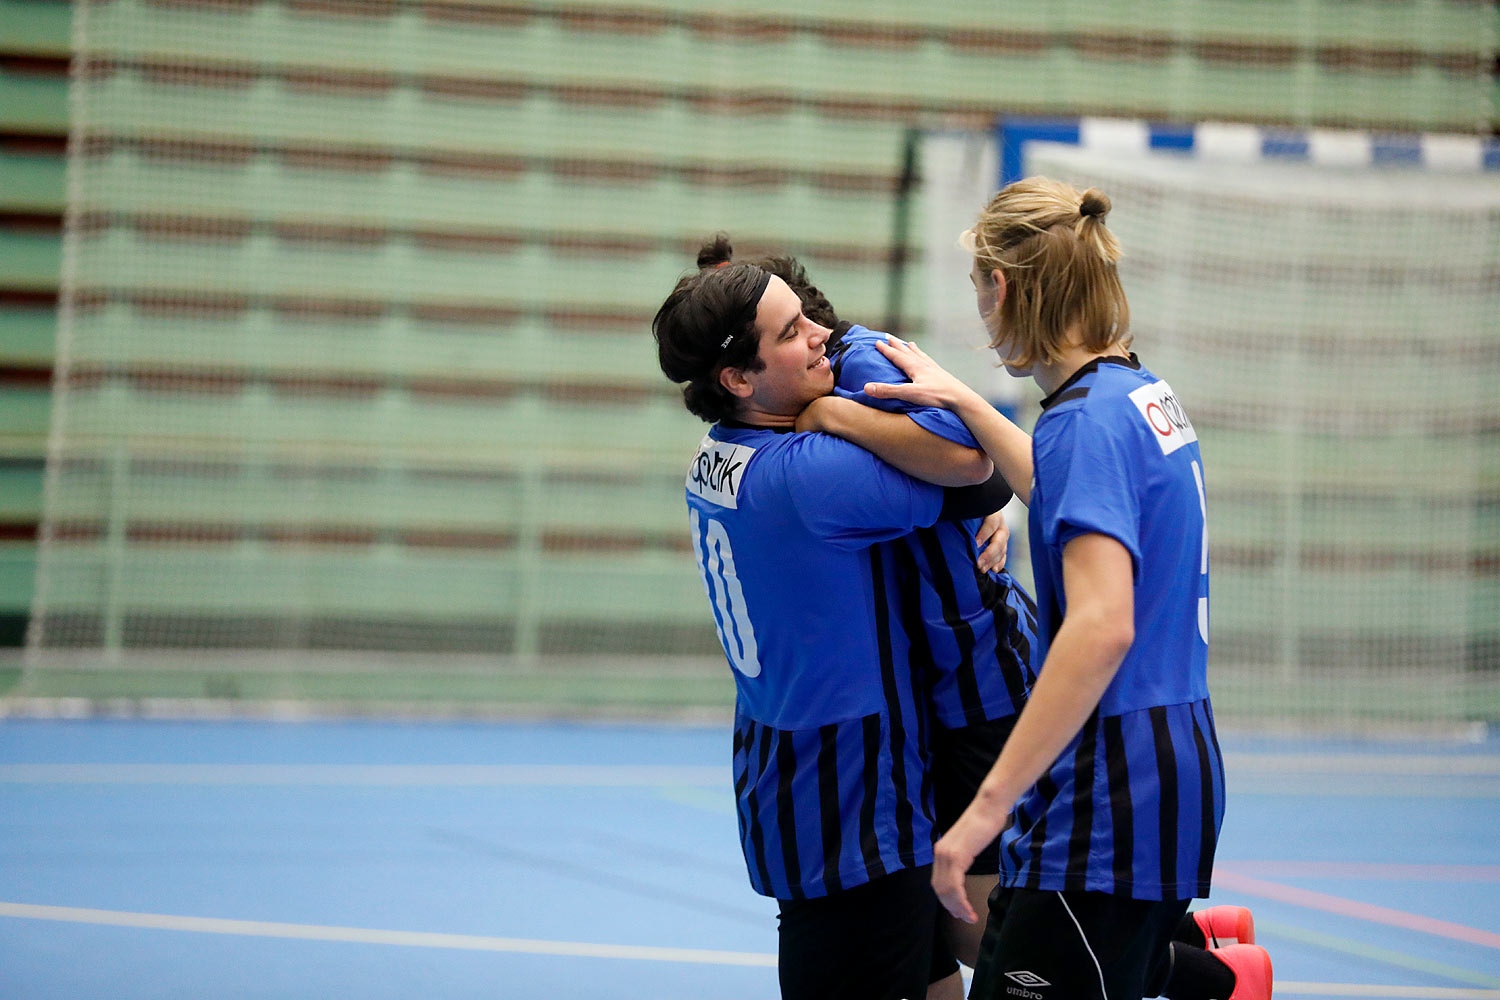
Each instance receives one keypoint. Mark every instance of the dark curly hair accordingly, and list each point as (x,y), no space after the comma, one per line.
(707,324)
(815,305)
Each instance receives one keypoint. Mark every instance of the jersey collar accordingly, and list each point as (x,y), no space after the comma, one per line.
(835,347)
(1132,362)
(740,425)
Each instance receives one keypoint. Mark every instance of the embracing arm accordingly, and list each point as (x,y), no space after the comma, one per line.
(1003,441)
(930,385)
(898,440)
(1084,657)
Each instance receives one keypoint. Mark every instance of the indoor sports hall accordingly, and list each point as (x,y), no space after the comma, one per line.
(351,637)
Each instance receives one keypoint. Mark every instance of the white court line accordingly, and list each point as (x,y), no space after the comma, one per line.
(1364,763)
(1295,989)
(635,775)
(581,949)
(572,775)
(577,949)
(363,935)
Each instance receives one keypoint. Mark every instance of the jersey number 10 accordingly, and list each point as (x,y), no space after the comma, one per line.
(722,584)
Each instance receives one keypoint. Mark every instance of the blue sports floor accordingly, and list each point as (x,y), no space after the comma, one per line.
(381,860)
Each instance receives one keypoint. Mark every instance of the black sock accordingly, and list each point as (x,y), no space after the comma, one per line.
(1188,932)
(1194,974)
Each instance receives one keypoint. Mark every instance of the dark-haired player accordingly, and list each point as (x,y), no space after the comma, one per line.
(973,625)
(830,772)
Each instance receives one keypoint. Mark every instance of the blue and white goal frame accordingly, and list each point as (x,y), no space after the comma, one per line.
(1246,143)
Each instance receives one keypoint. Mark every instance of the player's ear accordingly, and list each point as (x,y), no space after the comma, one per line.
(999,280)
(733,379)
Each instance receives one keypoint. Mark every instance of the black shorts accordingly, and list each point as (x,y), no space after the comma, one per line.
(1045,945)
(877,941)
(960,760)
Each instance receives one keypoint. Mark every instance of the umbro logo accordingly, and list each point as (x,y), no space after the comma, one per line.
(1027,978)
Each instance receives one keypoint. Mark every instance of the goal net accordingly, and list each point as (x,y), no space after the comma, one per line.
(1333,334)
(336,416)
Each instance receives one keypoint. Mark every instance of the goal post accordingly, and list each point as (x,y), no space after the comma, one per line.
(1325,305)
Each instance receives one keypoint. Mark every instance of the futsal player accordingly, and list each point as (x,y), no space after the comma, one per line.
(962,754)
(830,777)
(1109,794)
(972,624)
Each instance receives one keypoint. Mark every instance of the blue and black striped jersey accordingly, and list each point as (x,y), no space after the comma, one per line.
(1134,805)
(974,631)
(830,773)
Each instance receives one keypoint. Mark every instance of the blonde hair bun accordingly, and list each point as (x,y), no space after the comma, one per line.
(1058,260)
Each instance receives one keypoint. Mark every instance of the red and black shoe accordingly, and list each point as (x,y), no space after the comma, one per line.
(1251,965)
(1225,925)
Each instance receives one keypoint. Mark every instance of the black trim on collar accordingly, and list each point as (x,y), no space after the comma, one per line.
(835,348)
(1077,392)
(1058,394)
(742,426)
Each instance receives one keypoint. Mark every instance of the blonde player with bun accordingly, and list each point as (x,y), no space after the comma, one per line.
(1110,792)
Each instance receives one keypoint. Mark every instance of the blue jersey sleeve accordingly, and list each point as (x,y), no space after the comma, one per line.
(862,362)
(883,504)
(1088,486)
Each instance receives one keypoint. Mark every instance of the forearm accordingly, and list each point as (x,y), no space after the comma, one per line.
(1079,667)
(1005,443)
(899,441)
(1085,655)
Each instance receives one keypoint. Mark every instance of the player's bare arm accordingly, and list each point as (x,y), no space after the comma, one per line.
(898,440)
(932,385)
(1089,647)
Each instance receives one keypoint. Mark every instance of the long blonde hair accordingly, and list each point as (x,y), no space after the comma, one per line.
(1059,263)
